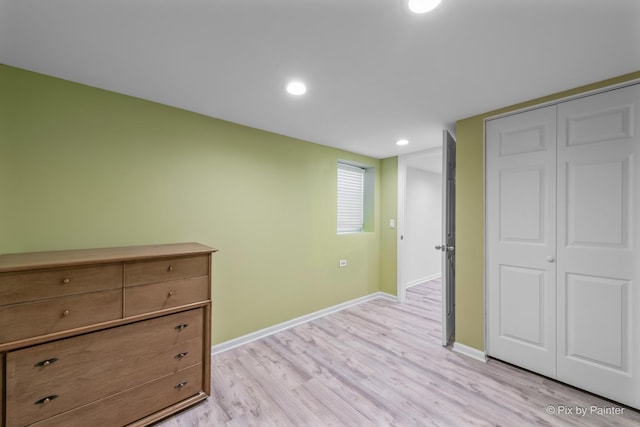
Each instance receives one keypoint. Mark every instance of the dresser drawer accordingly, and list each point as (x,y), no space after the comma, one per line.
(158,270)
(31,319)
(109,361)
(33,285)
(158,296)
(131,405)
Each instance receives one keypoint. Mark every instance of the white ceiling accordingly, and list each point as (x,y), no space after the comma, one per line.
(375,72)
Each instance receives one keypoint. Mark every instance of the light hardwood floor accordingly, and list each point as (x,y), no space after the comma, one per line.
(381,364)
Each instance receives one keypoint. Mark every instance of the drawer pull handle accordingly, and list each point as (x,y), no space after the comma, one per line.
(170,268)
(46,399)
(66,280)
(66,313)
(170,294)
(182,384)
(182,326)
(181,355)
(46,362)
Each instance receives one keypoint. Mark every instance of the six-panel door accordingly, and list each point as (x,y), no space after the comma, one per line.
(598,259)
(521,239)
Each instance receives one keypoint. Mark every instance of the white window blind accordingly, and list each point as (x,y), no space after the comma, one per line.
(350,198)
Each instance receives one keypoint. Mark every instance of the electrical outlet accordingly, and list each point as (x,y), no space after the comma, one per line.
(343,263)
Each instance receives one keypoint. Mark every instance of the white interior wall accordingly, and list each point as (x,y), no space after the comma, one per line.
(422,228)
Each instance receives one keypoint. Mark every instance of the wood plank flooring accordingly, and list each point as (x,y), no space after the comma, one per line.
(381,364)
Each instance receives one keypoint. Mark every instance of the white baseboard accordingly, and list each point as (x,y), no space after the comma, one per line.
(245,339)
(422,280)
(470,352)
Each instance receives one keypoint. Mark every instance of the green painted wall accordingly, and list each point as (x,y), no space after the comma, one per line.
(4,164)
(470,214)
(83,167)
(470,233)
(388,236)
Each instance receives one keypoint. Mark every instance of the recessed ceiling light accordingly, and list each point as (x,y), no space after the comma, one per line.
(296,88)
(402,142)
(422,6)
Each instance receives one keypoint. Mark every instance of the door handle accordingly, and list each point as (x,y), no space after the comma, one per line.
(440,248)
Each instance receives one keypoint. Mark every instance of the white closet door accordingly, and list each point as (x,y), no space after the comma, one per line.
(598,286)
(521,209)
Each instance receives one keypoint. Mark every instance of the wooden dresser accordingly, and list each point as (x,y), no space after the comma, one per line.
(104,337)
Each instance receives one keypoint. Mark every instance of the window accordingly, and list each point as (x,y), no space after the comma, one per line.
(350,198)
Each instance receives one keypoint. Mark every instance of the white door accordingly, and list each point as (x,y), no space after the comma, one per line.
(521,234)
(598,238)
(448,235)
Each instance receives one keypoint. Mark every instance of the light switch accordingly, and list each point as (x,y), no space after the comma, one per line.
(392,223)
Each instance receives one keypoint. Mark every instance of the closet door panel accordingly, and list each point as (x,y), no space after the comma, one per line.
(521,239)
(598,261)
(597,193)
(585,297)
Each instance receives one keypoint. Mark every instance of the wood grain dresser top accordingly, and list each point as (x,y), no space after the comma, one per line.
(37,260)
